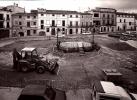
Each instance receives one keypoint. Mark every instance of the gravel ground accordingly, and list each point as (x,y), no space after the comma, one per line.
(76,70)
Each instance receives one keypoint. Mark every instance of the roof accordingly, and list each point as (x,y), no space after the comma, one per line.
(123,13)
(25,14)
(56,12)
(109,87)
(112,72)
(30,49)
(34,90)
(85,13)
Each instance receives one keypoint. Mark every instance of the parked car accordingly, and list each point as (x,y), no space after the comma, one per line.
(104,90)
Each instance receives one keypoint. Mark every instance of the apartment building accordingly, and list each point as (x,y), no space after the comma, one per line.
(52,21)
(104,19)
(126,22)
(24,24)
(5,23)
(86,22)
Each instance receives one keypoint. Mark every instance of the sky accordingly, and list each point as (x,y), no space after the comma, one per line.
(79,5)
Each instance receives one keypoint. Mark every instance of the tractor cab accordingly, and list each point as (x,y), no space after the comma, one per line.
(29,53)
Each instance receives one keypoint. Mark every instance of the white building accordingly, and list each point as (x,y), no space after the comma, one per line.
(5,23)
(65,22)
(125,22)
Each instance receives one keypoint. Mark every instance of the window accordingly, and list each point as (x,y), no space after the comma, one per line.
(8,25)
(47,29)
(104,15)
(63,15)
(8,17)
(70,16)
(120,20)
(63,23)
(76,23)
(34,31)
(20,16)
(76,16)
(96,15)
(1,17)
(63,29)
(42,14)
(28,32)
(76,30)
(53,15)
(42,21)
(34,23)
(53,22)
(34,16)
(20,27)
(70,23)
(28,16)
(20,23)
(124,20)
(129,23)
(108,16)
(42,26)
(28,24)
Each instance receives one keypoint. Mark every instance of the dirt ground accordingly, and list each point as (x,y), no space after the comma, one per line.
(76,70)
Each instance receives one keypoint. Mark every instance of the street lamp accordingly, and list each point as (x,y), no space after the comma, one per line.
(58,43)
(94,30)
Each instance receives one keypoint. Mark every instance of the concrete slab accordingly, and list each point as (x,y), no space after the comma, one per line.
(9,93)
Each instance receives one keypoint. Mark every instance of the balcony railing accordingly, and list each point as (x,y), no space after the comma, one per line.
(53,25)
(74,26)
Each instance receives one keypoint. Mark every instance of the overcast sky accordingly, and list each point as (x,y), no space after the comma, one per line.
(79,5)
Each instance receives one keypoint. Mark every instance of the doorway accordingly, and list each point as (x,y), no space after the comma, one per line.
(53,31)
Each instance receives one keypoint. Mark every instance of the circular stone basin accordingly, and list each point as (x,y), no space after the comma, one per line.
(75,46)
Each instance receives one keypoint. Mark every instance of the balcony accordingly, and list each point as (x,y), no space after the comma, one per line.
(86,26)
(108,24)
(74,26)
(53,25)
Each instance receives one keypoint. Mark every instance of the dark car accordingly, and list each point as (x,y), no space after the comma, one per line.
(40,92)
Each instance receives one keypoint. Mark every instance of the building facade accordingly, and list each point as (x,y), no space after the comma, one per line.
(24,24)
(64,22)
(15,8)
(126,22)
(104,19)
(5,23)
(86,22)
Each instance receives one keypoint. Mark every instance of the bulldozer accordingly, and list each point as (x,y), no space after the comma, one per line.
(28,59)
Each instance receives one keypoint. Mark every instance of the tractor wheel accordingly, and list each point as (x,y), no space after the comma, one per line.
(40,69)
(24,69)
